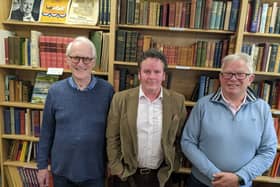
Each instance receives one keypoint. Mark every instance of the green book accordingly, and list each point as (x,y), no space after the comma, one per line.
(96,38)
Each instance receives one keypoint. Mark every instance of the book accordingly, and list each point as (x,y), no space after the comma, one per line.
(96,38)
(42,84)
(81,12)
(25,10)
(54,11)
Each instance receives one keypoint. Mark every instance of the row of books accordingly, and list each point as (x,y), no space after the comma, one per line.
(48,51)
(268,91)
(52,51)
(205,85)
(23,177)
(22,121)
(131,44)
(277,128)
(89,12)
(23,91)
(24,151)
(266,56)
(263,17)
(198,14)
(274,170)
(17,90)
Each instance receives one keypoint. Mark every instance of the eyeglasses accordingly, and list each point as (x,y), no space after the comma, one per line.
(239,76)
(76,59)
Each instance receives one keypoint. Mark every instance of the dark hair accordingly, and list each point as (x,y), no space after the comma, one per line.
(153,53)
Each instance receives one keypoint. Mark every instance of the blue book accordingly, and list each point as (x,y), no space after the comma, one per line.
(255,15)
(7,121)
(17,121)
(234,15)
(202,83)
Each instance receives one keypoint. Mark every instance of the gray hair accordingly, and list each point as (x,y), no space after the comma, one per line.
(240,56)
(84,40)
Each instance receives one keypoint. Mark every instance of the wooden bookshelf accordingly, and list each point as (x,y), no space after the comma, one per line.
(183,77)
(54,25)
(30,68)
(20,137)
(22,105)
(264,35)
(174,29)
(32,165)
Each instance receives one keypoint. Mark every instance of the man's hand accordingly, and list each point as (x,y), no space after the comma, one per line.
(120,174)
(225,179)
(43,177)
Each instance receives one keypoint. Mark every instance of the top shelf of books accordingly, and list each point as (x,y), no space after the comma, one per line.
(55,25)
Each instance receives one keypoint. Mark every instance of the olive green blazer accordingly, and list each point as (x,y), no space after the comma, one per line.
(122,133)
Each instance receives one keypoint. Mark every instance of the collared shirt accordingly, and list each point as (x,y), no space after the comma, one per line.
(90,86)
(231,106)
(149,129)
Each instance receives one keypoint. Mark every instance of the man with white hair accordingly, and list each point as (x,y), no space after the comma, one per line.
(229,136)
(74,123)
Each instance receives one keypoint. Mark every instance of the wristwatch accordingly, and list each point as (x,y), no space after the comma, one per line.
(240,180)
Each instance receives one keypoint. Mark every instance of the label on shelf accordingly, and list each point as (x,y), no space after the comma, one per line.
(176,28)
(182,67)
(55,71)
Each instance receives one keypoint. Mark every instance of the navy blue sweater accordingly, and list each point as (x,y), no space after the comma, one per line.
(73,130)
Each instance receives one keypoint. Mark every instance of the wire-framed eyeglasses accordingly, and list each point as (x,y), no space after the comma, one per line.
(239,76)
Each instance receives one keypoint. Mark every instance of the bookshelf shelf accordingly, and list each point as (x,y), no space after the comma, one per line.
(20,137)
(267,179)
(189,103)
(30,68)
(125,63)
(174,29)
(184,170)
(55,25)
(192,68)
(21,105)
(267,35)
(32,165)
(275,111)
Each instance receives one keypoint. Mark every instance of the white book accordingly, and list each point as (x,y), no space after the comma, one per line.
(273,17)
(34,48)
(263,17)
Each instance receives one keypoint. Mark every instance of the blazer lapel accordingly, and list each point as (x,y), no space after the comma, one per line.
(132,107)
(166,114)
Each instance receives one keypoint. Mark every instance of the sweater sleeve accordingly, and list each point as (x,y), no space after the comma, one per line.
(47,132)
(190,144)
(265,153)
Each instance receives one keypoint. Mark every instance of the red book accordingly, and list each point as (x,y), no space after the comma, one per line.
(172,10)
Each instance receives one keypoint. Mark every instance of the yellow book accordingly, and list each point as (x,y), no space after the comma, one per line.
(54,11)
(23,151)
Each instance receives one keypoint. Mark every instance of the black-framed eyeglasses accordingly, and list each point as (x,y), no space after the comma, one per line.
(239,76)
(77,59)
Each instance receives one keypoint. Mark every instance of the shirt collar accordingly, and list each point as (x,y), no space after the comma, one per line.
(142,94)
(230,104)
(250,95)
(89,87)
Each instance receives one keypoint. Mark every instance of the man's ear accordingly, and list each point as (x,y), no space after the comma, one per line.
(251,78)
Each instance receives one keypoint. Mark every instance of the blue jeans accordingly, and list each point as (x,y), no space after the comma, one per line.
(60,181)
(193,182)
